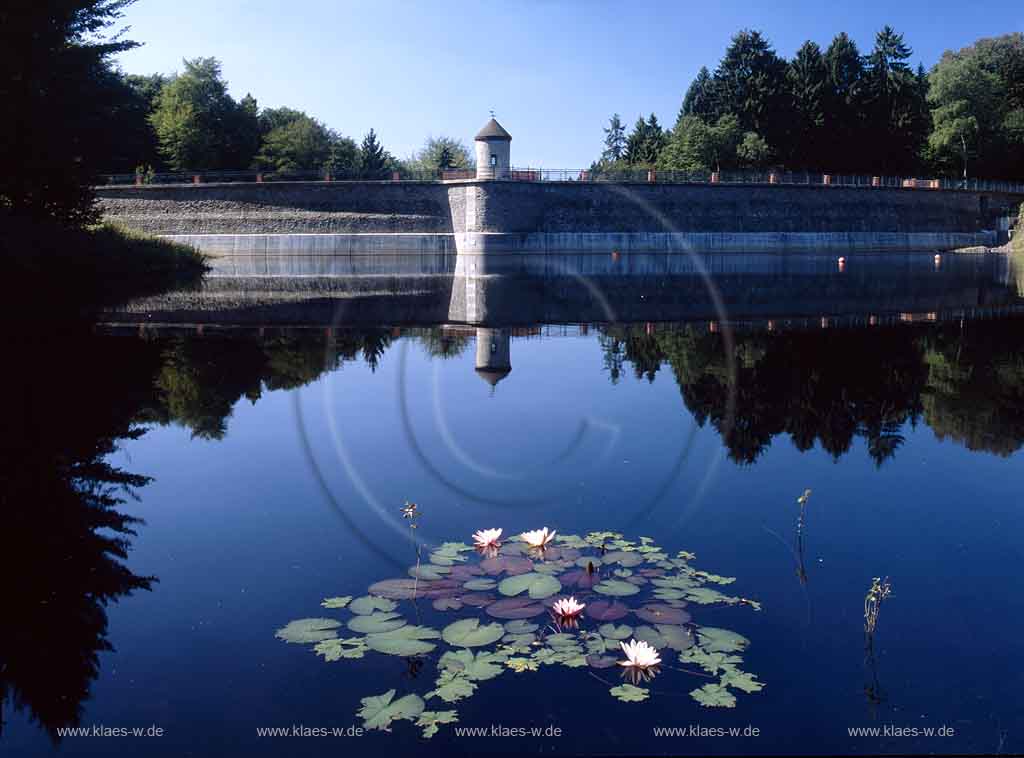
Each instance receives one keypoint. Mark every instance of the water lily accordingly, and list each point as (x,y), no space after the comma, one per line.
(538,538)
(487,538)
(567,608)
(639,655)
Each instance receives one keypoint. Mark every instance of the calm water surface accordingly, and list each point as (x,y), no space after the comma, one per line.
(276,464)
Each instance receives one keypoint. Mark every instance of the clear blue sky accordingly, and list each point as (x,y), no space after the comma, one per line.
(552,71)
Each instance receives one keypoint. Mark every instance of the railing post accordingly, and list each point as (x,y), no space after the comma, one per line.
(826,179)
(138,180)
(876,181)
(196,179)
(773,178)
(259,178)
(651,175)
(715,177)
(395,176)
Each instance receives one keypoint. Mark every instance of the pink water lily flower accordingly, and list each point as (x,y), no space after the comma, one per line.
(487,538)
(639,655)
(538,538)
(567,608)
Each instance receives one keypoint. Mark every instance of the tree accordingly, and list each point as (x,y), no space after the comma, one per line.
(701,98)
(895,106)
(56,85)
(751,82)
(645,142)
(695,146)
(614,140)
(199,125)
(272,118)
(753,151)
(344,157)
(373,159)
(440,153)
(303,143)
(807,78)
(844,139)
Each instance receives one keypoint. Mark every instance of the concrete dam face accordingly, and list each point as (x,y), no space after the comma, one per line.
(486,217)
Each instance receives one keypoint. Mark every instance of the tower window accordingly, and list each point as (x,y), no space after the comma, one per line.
(494,160)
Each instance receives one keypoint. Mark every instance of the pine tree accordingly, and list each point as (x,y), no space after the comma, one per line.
(807,78)
(751,80)
(636,144)
(701,98)
(614,140)
(372,158)
(846,143)
(894,105)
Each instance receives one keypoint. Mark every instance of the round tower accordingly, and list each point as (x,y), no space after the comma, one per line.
(492,151)
(493,361)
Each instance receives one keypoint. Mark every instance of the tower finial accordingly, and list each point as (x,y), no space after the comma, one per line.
(492,112)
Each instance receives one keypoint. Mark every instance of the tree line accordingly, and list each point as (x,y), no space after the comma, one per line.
(838,110)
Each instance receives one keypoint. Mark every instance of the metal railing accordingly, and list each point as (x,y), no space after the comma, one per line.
(622,176)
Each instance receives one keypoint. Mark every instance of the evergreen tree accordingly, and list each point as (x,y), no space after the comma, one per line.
(894,106)
(654,141)
(844,134)
(373,159)
(807,77)
(751,80)
(614,140)
(701,98)
(636,144)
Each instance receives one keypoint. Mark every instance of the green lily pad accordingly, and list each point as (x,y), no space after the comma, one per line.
(519,640)
(336,649)
(536,585)
(429,720)
(616,588)
(480,584)
(711,662)
(304,631)
(376,623)
(560,640)
(520,626)
(624,558)
(651,636)
(544,655)
(367,604)
(613,632)
(741,680)
(714,696)
(336,602)
(429,571)
(379,711)
(627,693)
(716,640)
(447,604)
(705,596)
(519,665)
(452,686)
(676,637)
(481,667)
(470,633)
(405,641)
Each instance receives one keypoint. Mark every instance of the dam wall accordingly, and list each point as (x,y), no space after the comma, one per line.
(494,217)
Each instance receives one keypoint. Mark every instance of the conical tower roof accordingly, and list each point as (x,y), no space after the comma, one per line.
(493,130)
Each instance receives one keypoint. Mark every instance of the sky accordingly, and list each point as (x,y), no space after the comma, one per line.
(553,72)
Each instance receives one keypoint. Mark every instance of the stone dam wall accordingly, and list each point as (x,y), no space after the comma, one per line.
(370,218)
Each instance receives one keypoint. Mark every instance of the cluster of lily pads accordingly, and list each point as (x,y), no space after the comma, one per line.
(628,608)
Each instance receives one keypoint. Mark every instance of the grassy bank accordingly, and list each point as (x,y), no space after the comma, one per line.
(84,270)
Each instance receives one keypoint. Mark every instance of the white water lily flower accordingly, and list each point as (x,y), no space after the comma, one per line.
(487,537)
(538,537)
(639,654)
(568,607)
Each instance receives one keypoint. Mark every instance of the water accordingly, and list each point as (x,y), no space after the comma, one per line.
(280,452)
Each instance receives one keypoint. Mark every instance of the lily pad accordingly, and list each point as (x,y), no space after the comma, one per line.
(379,711)
(367,604)
(303,631)
(678,638)
(515,608)
(597,661)
(741,680)
(705,596)
(480,584)
(714,696)
(465,572)
(535,585)
(481,667)
(452,686)
(428,571)
(405,641)
(606,610)
(470,633)
(406,589)
(651,636)
(447,604)
(336,602)
(336,649)
(716,640)
(627,693)
(711,662)
(519,626)
(656,613)
(478,599)
(624,558)
(560,640)
(616,588)
(613,632)
(580,578)
(429,720)
(376,623)
(510,564)
(519,665)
